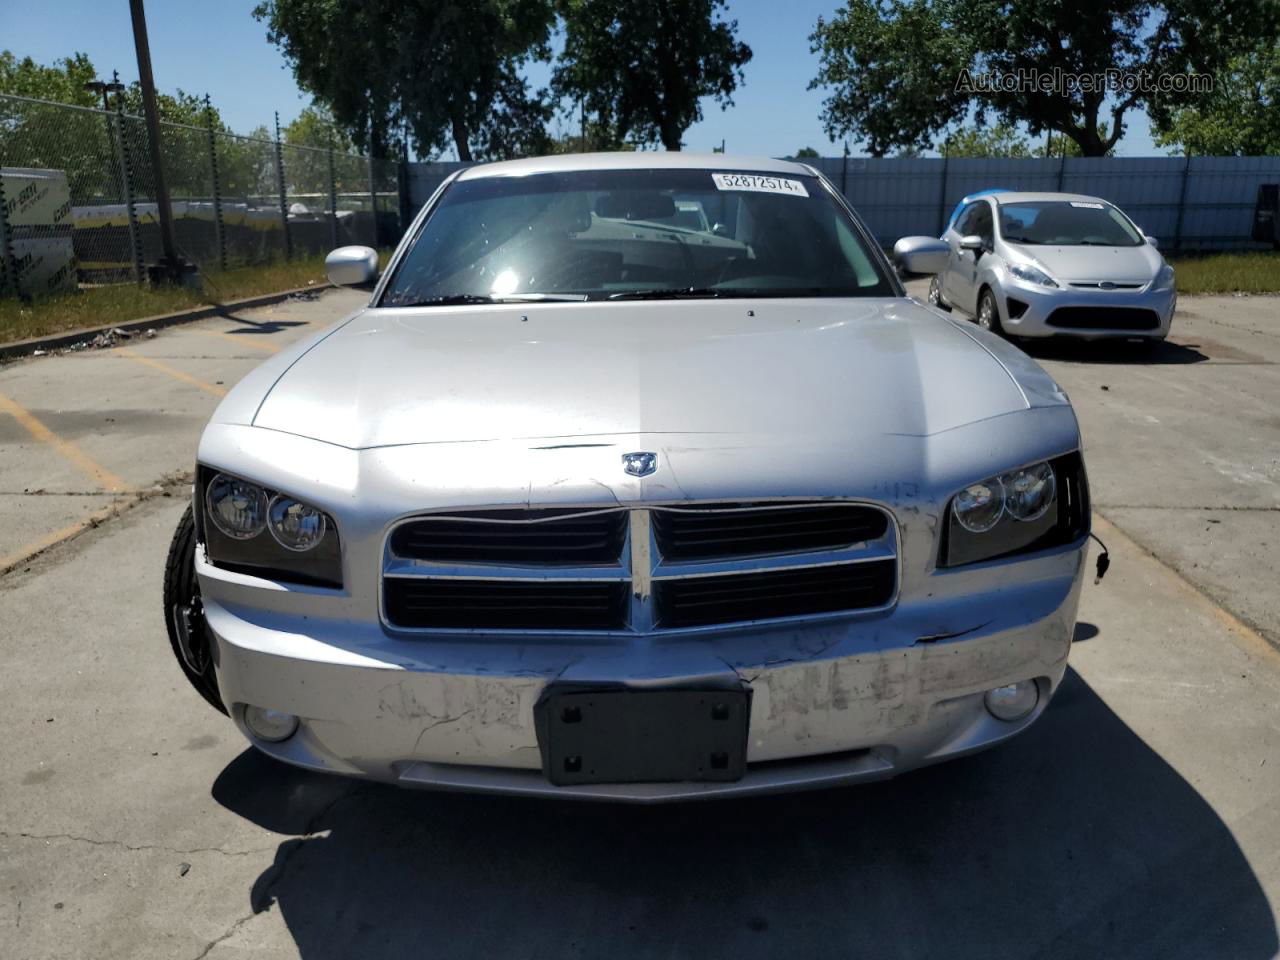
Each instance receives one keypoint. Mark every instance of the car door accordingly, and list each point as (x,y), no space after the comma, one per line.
(959,284)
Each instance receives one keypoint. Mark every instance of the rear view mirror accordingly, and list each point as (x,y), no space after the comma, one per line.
(638,205)
(922,254)
(352,266)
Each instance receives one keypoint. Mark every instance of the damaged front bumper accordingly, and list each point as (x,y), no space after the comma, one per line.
(851,699)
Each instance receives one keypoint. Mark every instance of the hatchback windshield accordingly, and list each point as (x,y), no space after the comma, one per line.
(636,234)
(1067,223)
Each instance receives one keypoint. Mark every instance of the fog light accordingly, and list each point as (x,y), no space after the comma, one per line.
(270,725)
(1014,701)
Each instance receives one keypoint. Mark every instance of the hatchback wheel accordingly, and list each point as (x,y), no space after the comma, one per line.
(184,615)
(988,315)
(935,295)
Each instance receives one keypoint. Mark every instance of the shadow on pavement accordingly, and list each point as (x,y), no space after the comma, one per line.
(1075,840)
(1113,351)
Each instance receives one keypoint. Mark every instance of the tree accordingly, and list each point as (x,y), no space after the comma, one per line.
(1242,118)
(641,68)
(1000,140)
(899,71)
(62,82)
(806,153)
(427,72)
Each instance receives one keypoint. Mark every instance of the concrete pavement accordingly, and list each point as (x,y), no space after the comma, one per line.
(1139,817)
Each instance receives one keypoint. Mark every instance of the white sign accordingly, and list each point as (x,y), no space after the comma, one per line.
(1087,206)
(759,184)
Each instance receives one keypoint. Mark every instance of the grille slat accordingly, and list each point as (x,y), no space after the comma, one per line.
(518,537)
(767,596)
(505,605)
(731,532)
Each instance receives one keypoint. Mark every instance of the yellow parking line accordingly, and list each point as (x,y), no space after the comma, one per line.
(241,340)
(173,372)
(30,550)
(86,464)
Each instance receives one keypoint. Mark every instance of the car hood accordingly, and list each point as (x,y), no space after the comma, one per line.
(1094,264)
(833,371)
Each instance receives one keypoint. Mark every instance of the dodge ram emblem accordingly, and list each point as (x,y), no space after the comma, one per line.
(640,464)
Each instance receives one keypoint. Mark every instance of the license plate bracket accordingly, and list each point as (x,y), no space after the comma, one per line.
(643,735)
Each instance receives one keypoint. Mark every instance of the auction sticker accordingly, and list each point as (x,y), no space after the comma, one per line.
(1087,206)
(759,184)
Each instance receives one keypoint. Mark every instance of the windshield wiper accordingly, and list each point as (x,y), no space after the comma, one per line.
(455,299)
(672,293)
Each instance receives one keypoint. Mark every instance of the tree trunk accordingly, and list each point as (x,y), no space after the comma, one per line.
(460,140)
(670,136)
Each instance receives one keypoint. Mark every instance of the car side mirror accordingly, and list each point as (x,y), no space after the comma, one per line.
(352,266)
(971,241)
(1152,240)
(922,254)
(721,230)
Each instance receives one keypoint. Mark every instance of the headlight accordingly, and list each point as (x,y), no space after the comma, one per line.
(1024,271)
(236,507)
(252,529)
(1164,279)
(1031,508)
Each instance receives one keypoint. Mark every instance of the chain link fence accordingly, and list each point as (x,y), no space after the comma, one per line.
(78,203)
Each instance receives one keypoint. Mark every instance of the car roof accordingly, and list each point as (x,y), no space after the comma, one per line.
(1033,197)
(633,160)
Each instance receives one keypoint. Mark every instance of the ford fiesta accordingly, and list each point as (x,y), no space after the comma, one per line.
(638,478)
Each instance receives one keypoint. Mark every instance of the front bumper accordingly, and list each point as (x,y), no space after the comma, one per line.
(847,700)
(1042,301)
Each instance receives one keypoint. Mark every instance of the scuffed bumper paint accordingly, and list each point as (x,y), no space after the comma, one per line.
(851,700)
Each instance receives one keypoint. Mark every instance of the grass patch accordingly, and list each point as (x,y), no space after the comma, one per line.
(102,306)
(1255,272)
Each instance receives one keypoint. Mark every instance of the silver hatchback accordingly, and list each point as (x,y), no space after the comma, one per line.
(1049,264)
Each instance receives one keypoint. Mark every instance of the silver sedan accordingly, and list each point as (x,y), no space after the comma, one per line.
(595,499)
(1050,264)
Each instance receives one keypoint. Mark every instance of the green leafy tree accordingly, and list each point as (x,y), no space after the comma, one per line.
(426,72)
(642,68)
(1242,118)
(999,140)
(898,71)
(807,153)
(62,82)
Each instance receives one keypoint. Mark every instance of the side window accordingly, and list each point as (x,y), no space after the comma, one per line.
(982,224)
(965,222)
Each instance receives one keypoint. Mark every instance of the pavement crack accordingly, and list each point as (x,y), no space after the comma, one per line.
(231,932)
(145,847)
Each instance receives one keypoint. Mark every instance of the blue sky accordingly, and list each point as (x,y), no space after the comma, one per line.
(219,49)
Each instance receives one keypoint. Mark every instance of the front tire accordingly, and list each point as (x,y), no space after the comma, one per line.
(935,295)
(988,314)
(184,615)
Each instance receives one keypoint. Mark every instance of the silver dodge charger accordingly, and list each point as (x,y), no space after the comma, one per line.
(598,499)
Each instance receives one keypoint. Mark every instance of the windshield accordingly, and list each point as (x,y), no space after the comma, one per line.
(1067,223)
(635,234)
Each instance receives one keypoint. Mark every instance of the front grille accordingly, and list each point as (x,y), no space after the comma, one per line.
(642,570)
(1099,285)
(1104,318)
(735,531)
(420,602)
(514,537)
(699,601)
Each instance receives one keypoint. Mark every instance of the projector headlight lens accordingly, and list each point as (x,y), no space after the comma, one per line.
(295,525)
(237,507)
(978,506)
(1029,492)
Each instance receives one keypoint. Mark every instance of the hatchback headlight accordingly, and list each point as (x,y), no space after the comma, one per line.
(1034,507)
(252,529)
(1025,271)
(1164,279)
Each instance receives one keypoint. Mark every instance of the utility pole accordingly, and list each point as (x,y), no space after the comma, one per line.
(171,268)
